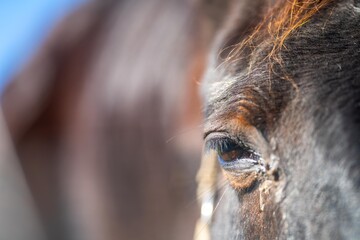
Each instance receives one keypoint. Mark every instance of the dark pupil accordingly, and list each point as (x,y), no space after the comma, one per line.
(230,152)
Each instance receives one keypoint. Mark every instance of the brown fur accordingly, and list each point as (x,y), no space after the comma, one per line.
(279,21)
(243,181)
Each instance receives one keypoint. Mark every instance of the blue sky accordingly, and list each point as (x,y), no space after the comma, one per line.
(23,25)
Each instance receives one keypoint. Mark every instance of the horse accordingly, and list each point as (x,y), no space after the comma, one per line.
(92,119)
(93,115)
(281,98)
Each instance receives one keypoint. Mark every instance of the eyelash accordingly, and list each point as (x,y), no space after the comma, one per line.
(241,158)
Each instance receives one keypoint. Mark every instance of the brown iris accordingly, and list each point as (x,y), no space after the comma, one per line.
(231,154)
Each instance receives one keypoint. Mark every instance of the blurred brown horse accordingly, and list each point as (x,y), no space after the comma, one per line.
(92,113)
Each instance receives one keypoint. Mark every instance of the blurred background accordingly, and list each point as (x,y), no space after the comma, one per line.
(24,24)
(100,127)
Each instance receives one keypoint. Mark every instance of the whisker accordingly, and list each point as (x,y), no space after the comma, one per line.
(183,132)
(221,197)
(199,196)
(216,207)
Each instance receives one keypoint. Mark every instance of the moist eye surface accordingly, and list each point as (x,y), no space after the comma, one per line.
(233,155)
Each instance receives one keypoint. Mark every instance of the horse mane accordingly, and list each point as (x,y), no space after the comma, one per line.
(279,21)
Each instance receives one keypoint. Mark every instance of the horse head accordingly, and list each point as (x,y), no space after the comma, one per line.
(282,118)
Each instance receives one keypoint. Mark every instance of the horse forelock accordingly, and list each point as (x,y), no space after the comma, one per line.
(280,19)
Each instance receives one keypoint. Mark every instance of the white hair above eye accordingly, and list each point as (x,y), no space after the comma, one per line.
(215,84)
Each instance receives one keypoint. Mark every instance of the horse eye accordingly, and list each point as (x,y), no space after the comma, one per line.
(230,152)
(234,155)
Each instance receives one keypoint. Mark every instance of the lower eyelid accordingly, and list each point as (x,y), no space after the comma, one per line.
(241,165)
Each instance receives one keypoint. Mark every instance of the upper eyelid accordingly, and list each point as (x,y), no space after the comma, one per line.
(215,126)
(213,142)
(253,140)
(216,134)
(221,137)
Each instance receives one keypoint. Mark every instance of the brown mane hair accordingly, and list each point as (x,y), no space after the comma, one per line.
(280,20)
